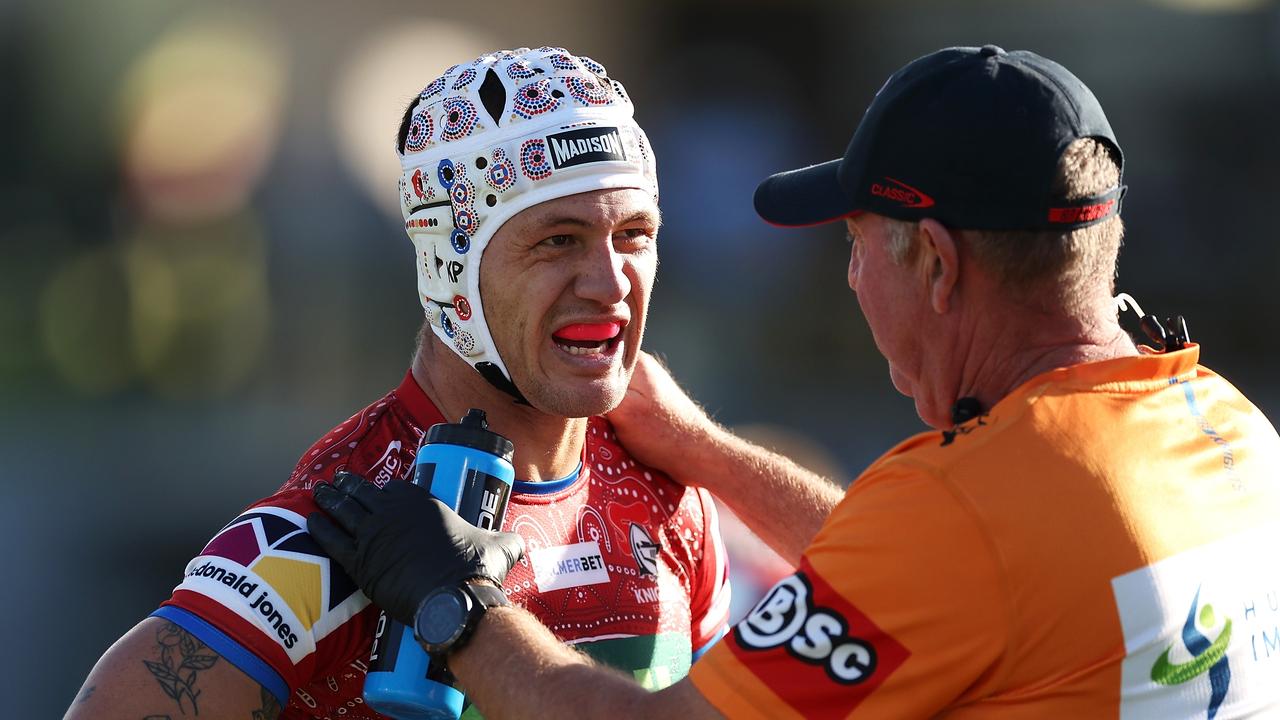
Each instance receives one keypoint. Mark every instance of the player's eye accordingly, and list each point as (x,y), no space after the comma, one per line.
(558,240)
(634,236)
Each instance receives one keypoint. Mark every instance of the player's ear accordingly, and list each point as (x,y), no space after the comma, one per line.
(940,263)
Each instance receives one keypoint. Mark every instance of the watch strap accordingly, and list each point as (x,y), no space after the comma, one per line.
(481,596)
(486,595)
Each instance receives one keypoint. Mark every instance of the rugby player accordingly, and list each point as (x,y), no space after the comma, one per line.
(529,159)
(1090,530)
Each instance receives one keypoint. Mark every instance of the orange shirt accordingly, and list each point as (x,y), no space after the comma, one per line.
(1105,542)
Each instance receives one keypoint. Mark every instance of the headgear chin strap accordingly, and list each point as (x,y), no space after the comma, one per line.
(493,137)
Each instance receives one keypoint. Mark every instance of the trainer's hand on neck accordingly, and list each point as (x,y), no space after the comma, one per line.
(661,426)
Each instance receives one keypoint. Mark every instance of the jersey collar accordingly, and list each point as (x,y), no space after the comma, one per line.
(1135,373)
(420,407)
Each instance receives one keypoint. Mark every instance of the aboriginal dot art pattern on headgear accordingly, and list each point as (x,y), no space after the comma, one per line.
(448,111)
(561,61)
(620,91)
(420,131)
(432,89)
(445,172)
(462,307)
(534,99)
(422,189)
(588,92)
(460,241)
(464,342)
(492,137)
(520,70)
(464,79)
(459,119)
(502,173)
(533,160)
(462,196)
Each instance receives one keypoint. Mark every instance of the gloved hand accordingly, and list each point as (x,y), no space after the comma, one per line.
(399,543)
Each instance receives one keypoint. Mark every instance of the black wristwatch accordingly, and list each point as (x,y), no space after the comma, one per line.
(448,616)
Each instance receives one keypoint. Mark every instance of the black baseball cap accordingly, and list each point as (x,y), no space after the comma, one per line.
(968,136)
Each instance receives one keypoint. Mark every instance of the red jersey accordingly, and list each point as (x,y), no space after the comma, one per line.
(656,594)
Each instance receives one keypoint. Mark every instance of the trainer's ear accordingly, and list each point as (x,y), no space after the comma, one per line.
(941,263)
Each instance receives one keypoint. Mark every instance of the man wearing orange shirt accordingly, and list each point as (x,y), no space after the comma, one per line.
(1090,530)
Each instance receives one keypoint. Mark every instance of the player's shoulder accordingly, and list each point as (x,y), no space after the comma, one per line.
(379,442)
(278,521)
(610,457)
(265,582)
(610,460)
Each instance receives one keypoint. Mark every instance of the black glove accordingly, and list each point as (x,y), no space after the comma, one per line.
(399,543)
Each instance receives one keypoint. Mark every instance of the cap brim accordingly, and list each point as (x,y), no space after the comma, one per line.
(808,196)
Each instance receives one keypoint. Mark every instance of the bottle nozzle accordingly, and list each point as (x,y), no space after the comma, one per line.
(476,418)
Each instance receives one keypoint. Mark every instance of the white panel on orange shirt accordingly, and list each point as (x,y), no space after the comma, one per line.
(1202,631)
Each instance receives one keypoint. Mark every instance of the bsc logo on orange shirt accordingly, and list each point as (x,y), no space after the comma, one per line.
(813,648)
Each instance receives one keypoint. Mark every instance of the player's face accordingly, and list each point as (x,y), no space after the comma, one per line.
(566,286)
(889,298)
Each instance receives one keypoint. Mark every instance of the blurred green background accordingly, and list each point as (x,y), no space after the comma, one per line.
(202,266)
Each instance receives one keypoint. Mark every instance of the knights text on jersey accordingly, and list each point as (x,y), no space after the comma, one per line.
(620,561)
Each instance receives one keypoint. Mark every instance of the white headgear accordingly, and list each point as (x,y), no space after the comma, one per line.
(490,138)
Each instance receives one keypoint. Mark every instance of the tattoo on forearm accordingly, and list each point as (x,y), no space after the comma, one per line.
(270,707)
(85,694)
(182,656)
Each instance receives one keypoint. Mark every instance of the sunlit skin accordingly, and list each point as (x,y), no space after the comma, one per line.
(892,301)
(949,329)
(584,259)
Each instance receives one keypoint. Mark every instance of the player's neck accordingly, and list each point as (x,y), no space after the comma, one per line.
(548,447)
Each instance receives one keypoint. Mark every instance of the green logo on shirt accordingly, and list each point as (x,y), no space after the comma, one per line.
(1210,657)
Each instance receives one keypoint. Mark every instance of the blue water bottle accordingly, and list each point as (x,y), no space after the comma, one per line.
(467,467)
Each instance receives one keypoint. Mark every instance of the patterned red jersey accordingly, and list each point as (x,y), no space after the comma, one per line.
(651,595)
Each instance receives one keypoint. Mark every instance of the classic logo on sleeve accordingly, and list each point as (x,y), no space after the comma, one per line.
(813,648)
(264,567)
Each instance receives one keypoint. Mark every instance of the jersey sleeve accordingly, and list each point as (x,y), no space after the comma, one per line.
(896,610)
(265,596)
(711,592)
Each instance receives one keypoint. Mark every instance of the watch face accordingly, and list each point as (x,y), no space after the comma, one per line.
(442,618)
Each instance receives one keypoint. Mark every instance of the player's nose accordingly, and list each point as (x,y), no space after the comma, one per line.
(602,275)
